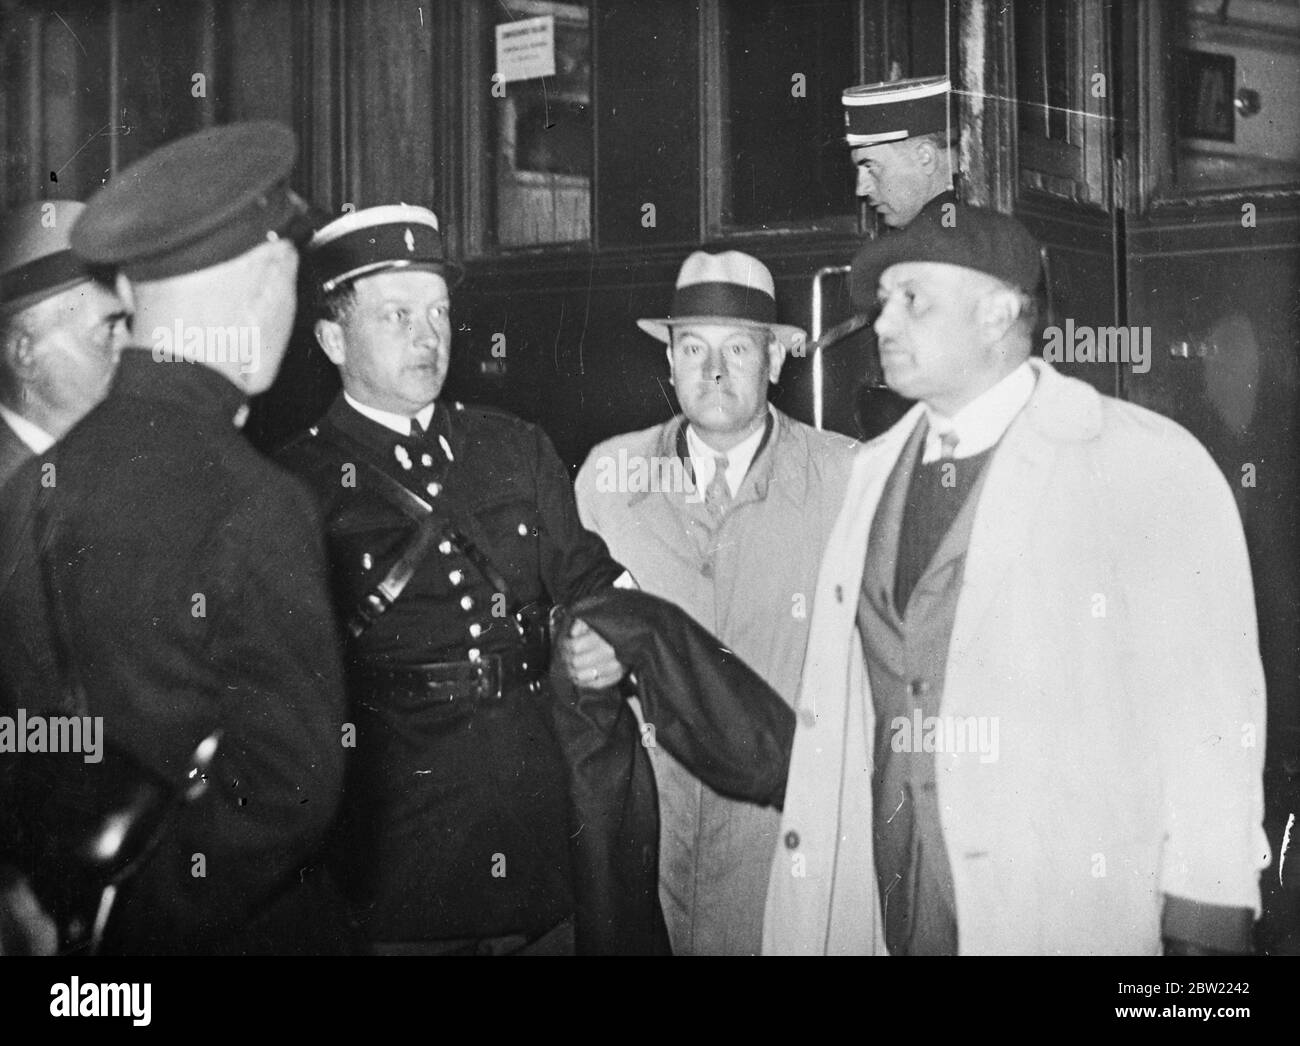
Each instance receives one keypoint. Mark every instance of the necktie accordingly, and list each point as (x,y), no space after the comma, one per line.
(717,495)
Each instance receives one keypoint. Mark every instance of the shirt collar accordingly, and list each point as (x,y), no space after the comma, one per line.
(399,423)
(37,439)
(981,423)
(739,457)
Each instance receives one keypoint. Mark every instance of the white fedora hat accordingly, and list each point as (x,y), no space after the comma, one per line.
(730,289)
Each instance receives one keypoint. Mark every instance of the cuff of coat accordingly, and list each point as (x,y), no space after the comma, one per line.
(1219,927)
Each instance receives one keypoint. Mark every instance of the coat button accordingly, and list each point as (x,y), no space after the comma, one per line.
(523,530)
(444,547)
(434,489)
(839,593)
(456,577)
(918,688)
(467,602)
(792,840)
(706,569)
(475,630)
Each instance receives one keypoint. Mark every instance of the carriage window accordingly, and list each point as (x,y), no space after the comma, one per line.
(783,67)
(1232,73)
(539,128)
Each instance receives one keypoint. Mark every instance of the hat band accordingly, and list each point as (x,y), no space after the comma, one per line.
(922,116)
(49,271)
(374,248)
(731,300)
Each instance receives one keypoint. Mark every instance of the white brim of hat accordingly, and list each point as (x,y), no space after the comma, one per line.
(790,337)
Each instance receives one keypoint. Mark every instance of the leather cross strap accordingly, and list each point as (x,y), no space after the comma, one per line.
(430,529)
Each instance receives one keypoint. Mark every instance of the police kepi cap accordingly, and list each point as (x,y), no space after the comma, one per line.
(36,259)
(195,202)
(727,289)
(393,236)
(896,109)
(976,238)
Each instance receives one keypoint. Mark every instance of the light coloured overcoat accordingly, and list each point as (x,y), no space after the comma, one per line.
(1107,625)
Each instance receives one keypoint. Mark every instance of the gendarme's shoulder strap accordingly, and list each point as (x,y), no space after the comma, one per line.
(458,524)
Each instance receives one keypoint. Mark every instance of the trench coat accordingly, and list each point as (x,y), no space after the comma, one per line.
(747,579)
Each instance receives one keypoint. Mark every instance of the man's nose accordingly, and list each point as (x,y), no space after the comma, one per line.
(865,182)
(425,330)
(886,319)
(716,364)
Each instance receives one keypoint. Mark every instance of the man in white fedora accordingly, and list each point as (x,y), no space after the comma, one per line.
(724,510)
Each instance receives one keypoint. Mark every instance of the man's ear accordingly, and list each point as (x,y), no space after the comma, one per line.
(329,336)
(668,352)
(998,310)
(775,357)
(19,351)
(927,156)
(126,292)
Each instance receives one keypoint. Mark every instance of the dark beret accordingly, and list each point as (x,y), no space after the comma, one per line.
(195,202)
(974,238)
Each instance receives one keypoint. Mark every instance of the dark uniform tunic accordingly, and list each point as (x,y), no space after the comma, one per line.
(456,824)
(194,597)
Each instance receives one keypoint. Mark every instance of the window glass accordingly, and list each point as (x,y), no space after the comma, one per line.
(784,66)
(539,124)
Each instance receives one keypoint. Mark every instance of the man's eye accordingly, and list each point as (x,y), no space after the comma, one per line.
(438,312)
(399,315)
(691,348)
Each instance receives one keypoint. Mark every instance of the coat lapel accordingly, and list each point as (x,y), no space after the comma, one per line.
(1013,492)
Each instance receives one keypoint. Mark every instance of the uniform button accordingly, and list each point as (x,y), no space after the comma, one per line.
(467,602)
(523,530)
(434,489)
(792,840)
(456,577)
(426,460)
(839,593)
(473,653)
(918,688)
(366,561)
(707,569)
(475,630)
(444,547)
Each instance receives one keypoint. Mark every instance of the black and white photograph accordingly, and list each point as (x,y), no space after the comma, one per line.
(650,478)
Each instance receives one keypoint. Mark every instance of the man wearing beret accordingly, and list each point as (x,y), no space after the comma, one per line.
(735,542)
(169,583)
(452,531)
(61,331)
(1032,714)
(900,136)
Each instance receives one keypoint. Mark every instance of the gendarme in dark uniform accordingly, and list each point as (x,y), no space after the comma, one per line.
(183,592)
(455,836)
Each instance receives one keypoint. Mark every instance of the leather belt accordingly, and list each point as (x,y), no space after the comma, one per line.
(490,678)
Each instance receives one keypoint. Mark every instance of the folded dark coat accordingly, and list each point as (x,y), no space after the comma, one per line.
(705,706)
